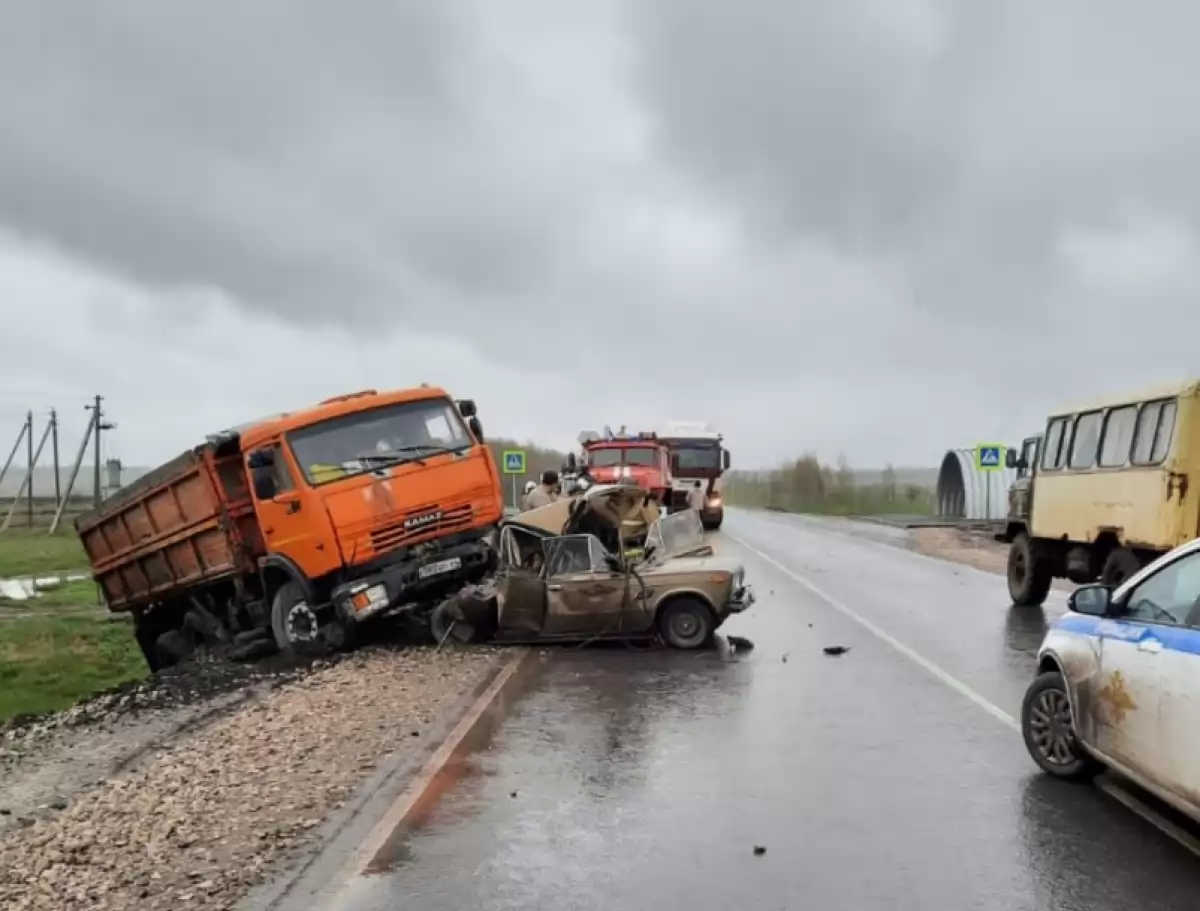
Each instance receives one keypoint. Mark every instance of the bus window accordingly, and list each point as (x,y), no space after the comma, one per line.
(1087,439)
(1052,452)
(1152,439)
(1118,436)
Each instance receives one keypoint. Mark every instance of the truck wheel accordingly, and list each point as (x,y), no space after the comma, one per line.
(686,623)
(1120,564)
(172,647)
(1029,572)
(711,524)
(294,623)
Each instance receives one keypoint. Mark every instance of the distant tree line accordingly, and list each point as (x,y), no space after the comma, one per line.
(806,485)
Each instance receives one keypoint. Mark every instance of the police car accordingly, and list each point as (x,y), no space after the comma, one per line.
(1118,683)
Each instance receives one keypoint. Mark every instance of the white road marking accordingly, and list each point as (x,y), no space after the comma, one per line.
(1107,786)
(883,635)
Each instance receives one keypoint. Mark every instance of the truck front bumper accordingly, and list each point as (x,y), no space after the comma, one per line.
(412,580)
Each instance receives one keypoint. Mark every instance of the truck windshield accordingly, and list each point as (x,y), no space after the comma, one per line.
(349,445)
(699,458)
(616,455)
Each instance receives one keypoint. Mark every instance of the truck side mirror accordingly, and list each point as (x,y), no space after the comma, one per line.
(466,407)
(264,482)
(725,458)
(572,464)
(476,427)
(1011,458)
(262,458)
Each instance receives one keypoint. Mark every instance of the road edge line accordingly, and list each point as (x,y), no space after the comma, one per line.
(884,636)
(361,858)
(1106,786)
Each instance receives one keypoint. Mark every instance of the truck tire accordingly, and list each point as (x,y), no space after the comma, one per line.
(295,624)
(172,647)
(1029,572)
(712,524)
(686,623)
(1120,564)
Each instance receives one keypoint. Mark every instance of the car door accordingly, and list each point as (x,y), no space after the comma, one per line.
(1144,658)
(520,591)
(1176,768)
(583,596)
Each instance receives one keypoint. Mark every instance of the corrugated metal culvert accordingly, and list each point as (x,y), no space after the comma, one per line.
(965,492)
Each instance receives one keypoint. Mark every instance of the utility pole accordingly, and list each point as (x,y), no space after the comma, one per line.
(97,425)
(83,444)
(29,452)
(54,446)
(25,428)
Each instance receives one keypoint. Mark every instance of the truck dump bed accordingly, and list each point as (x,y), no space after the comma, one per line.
(189,522)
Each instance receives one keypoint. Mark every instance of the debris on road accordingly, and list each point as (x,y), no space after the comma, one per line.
(205,817)
(836,649)
(759,850)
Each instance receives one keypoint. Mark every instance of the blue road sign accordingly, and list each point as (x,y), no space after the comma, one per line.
(514,461)
(989,456)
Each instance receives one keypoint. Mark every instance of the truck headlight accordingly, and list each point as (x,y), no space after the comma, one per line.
(714,502)
(370,598)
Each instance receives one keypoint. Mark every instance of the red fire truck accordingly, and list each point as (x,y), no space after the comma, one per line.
(611,458)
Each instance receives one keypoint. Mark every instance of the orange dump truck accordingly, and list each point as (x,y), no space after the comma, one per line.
(289,532)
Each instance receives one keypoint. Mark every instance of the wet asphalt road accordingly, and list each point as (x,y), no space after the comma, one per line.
(619,780)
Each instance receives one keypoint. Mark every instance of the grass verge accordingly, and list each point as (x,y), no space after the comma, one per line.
(50,663)
(25,553)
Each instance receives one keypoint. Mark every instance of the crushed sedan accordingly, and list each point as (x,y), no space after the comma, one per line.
(1117,682)
(602,565)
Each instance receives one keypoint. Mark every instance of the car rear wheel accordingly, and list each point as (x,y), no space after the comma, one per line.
(686,623)
(1049,730)
(1029,574)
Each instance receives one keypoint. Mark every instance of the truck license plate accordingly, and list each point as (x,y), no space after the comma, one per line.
(441,566)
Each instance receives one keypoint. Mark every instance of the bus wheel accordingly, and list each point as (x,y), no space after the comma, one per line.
(1029,572)
(1119,566)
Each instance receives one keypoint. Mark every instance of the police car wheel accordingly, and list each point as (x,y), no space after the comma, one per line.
(1049,730)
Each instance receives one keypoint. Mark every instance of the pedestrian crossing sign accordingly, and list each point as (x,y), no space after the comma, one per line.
(514,461)
(989,456)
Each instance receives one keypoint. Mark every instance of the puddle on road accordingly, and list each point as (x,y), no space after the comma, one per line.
(460,767)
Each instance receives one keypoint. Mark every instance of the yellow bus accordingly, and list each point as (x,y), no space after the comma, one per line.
(1109,491)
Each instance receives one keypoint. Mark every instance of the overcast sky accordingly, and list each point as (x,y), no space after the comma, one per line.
(877,227)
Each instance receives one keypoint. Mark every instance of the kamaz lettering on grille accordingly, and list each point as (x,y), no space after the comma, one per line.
(415,522)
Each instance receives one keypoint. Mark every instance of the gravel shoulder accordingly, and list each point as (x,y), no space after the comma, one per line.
(972,549)
(189,792)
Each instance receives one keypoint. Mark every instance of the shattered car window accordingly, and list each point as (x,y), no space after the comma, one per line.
(676,533)
(571,554)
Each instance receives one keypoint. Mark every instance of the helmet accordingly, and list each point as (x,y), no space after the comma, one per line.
(529,485)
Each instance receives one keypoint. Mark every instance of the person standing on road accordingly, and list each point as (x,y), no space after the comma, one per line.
(696,497)
(544,494)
